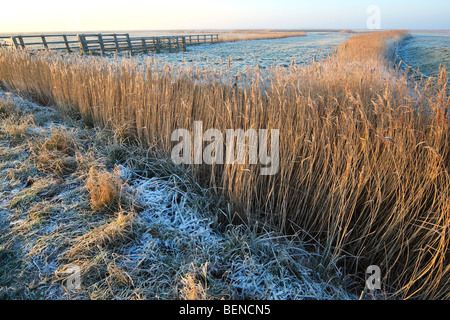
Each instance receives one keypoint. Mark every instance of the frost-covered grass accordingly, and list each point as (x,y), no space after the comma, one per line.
(137,226)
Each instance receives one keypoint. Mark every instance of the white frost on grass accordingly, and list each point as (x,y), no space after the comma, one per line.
(13,100)
(257,266)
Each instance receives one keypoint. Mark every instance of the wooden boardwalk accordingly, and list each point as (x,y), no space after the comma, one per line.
(102,43)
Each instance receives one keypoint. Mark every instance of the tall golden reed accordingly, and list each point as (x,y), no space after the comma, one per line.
(258,35)
(364,152)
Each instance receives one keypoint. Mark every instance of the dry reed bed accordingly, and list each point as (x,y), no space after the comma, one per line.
(257,35)
(364,153)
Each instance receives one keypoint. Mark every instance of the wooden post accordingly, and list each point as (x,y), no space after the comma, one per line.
(178,45)
(190,40)
(22,44)
(44,43)
(144,45)
(170,45)
(100,42)
(183,39)
(198,38)
(83,45)
(14,41)
(204,38)
(408,71)
(66,43)
(129,43)
(158,48)
(116,42)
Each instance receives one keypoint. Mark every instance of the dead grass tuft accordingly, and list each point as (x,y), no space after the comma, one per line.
(105,189)
(192,289)
(191,286)
(111,233)
(55,153)
(16,126)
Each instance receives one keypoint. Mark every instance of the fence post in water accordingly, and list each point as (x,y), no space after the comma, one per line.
(129,43)
(100,42)
(83,45)
(66,43)
(44,43)
(170,45)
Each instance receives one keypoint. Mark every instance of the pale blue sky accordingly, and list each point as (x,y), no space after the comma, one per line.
(82,15)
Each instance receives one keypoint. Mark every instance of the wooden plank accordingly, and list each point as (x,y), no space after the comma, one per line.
(22,44)
(82,43)
(66,43)
(130,47)
(14,41)
(144,45)
(183,39)
(57,48)
(117,43)
(44,43)
(100,42)
(46,35)
(103,34)
(51,42)
(156,46)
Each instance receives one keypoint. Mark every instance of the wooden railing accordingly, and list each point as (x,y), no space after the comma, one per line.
(106,42)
